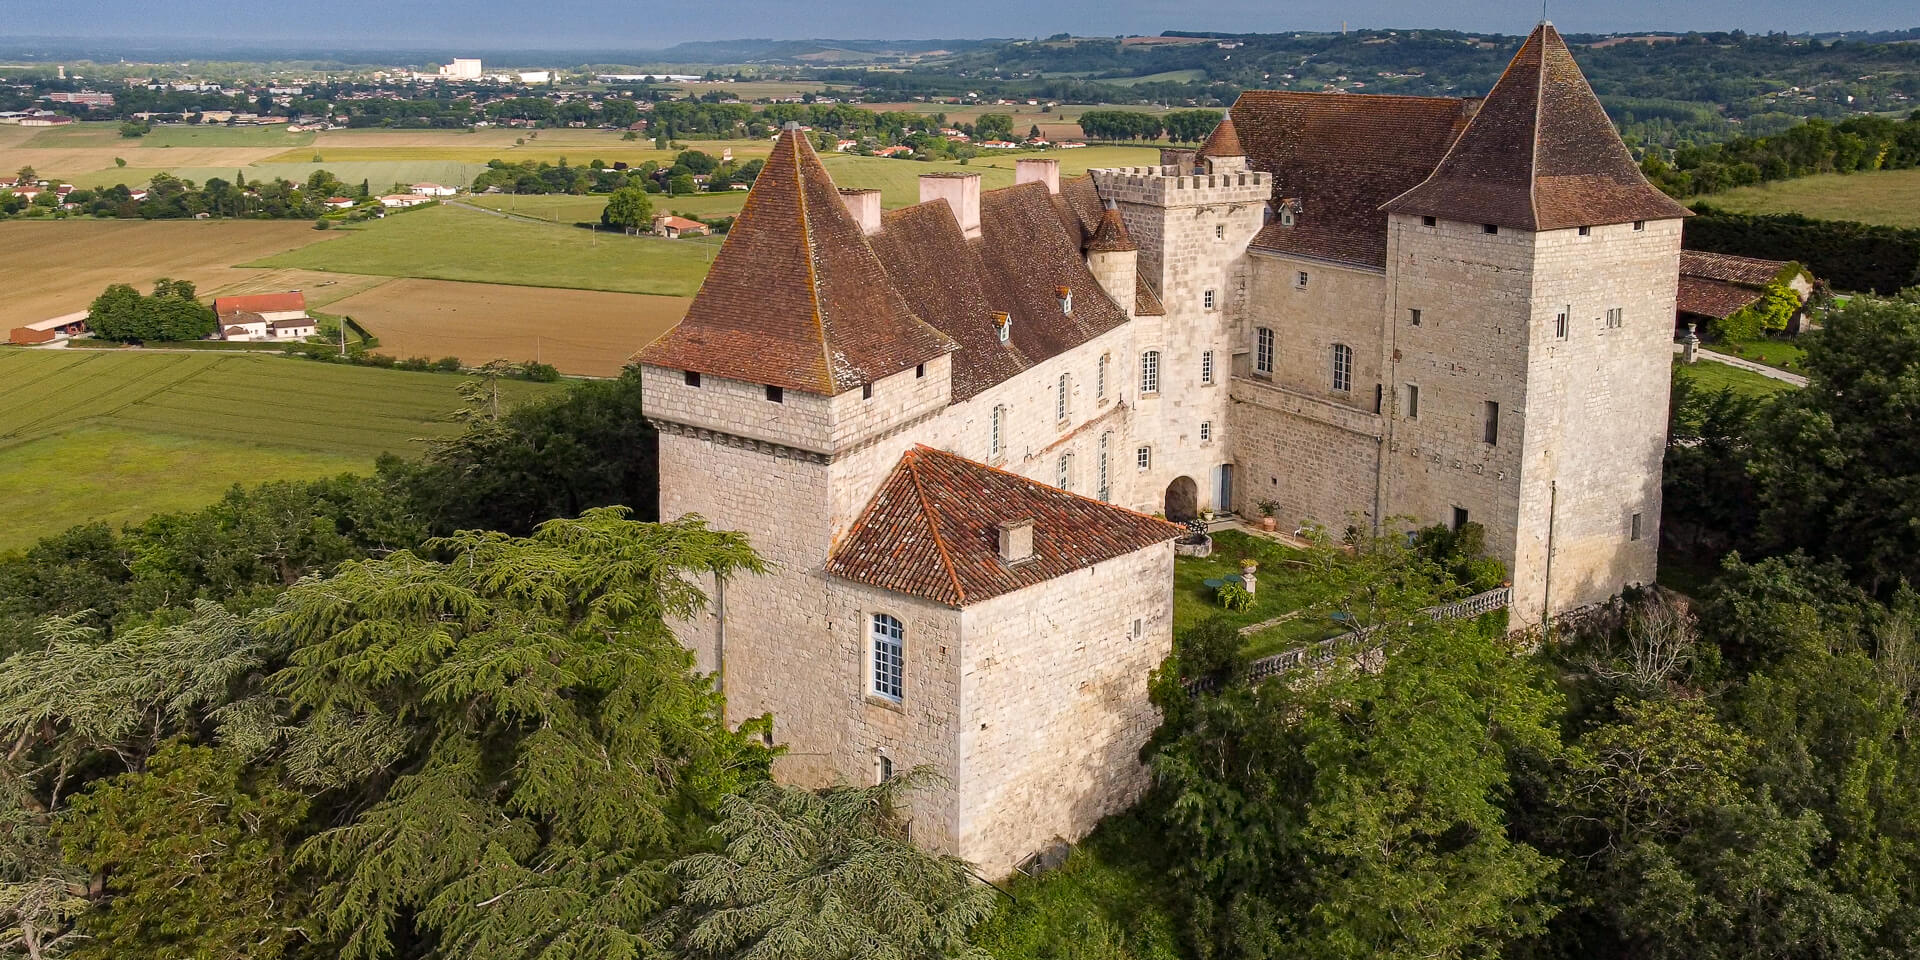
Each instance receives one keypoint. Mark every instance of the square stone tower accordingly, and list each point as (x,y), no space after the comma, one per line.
(1531,287)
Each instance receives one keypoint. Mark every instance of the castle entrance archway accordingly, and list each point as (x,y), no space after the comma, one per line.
(1183,500)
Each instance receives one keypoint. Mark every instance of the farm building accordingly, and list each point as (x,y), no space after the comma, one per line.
(1715,286)
(401,201)
(673,228)
(264,316)
(433,190)
(47,331)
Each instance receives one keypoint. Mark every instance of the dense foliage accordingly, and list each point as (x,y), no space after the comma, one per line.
(172,312)
(1850,256)
(1857,143)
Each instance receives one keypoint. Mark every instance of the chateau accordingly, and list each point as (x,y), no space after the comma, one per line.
(947,427)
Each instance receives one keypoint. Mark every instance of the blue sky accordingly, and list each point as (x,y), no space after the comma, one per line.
(652,24)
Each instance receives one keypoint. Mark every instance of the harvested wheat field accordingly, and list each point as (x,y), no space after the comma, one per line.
(583,332)
(62,265)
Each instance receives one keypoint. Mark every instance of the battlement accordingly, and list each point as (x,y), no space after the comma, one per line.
(1175,186)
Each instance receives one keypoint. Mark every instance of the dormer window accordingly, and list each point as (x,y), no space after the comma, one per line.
(1300,280)
(1286,216)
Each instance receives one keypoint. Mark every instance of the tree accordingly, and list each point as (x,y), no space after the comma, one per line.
(628,208)
(536,741)
(828,875)
(682,183)
(1834,463)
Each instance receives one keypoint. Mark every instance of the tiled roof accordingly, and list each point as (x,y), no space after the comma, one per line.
(796,297)
(1224,141)
(1146,300)
(260,303)
(1342,155)
(1539,155)
(932,531)
(1733,269)
(1713,298)
(1023,255)
(1111,237)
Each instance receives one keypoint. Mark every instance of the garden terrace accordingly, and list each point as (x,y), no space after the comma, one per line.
(1285,586)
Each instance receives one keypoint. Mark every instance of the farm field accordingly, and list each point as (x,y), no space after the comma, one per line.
(567,208)
(1886,197)
(899,180)
(142,431)
(65,264)
(454,243)
(583,332)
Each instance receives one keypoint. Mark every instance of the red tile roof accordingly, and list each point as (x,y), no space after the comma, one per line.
(1539,155)
(1713,298)
(260,303)
(796,297)
(1111,237)
(1733,269)
(1342,155)
(1224,141)
(932,531)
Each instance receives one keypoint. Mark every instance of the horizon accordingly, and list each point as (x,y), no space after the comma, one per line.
(574,26)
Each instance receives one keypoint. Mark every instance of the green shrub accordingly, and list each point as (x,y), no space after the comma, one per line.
(1234,596)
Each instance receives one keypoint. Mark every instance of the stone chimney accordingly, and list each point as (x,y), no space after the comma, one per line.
(1016,541)
(961,191)
(1040,169)
(865,207)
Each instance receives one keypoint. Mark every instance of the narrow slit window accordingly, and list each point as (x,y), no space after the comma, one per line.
(1060,398)
(1100,378)
(1492,425)
(1413,402)
(1413,316)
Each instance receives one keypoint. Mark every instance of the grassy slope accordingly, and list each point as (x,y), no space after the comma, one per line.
(1711,376)
(450,243)
(1112,900)
(1889,197)
(87,434)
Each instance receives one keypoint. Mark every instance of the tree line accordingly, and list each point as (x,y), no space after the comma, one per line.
(1855,144)
(1180,126)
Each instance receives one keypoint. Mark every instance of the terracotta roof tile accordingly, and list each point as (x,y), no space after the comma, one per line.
(261,303)
(1539,155)
(1224,141)
(1713,298)
(1342,155)
(941,275)
(1146,300)
(1731,268)
(796,297)
(1111,236)
(932,531)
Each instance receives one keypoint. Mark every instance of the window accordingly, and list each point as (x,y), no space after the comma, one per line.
(1492,426)
(1586,231)
(1206,430)
(1207,300)
(1100,378)
(1635,532)
(1143,458)
(693,379)
(1100,464)
(1139,628)
(1219,231)
(1413,402)
(1489,228)
(1150,372)
(1616,318)
(1639,224)
(919,370)
(1342,368)
(882,768)
(1560,324)
(1206,366)
(996,436)
(1459,518)
(1428,221)
(866,391)
(1300,280)
(1063,472)
(1060,399)
(777,394)
(1263,350)
(1413,316)
(889,657)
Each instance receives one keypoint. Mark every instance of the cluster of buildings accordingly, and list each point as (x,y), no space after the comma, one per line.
(263,316)
(949,428)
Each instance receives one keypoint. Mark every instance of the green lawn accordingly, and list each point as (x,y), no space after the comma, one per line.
(205,135)
(1112,900)
(450,243)
(1888,197)
(899,180)
(1282,587)
(1711,376)
(121,435)
(380,175)
(1780,354)
(573,209)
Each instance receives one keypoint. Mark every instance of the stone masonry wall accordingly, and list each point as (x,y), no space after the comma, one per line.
(1054,705)
(1318,459)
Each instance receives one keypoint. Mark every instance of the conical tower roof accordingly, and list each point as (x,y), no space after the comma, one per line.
(1224,141)
(1111,235)
(796,298)
(1539,155)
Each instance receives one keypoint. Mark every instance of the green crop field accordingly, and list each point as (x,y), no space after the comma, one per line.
(379,175)
(453,243)
(1886,197)
(120,435)
(205,135)
(564,208)
(1170,76)
(899,180)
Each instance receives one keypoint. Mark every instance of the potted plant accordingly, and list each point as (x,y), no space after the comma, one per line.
(1249,566)
(1268,508)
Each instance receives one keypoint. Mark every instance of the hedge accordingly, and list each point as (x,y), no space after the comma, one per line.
(1847,255)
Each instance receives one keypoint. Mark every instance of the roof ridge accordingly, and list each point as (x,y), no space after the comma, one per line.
(813,275)
(1029,480)
(912,462)
(1539,108)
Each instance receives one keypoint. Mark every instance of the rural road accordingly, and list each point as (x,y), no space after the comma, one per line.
(1760,368)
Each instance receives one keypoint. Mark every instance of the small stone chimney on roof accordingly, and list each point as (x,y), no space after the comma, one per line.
(865,207)
(1038,169)
(1016,541)
(961,191)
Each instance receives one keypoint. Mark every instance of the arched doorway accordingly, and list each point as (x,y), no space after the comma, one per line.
(1183,500)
